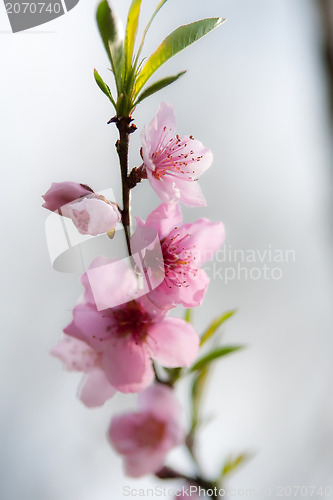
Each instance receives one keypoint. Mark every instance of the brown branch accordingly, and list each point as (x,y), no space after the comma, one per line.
(122,145)
(169,473)
(326,11)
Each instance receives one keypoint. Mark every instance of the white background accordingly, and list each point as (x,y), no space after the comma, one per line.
(255,94)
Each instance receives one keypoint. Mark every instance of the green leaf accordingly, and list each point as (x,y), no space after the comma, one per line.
(215,324)
(156,11)
(213,355)
(109,28)
(232,464)
(188,315)
(159,85)
(131,31)
(104,87)
(178,40)
(197,392)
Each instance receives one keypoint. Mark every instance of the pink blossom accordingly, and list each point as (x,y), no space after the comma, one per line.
(90,212)
(185,248)
(78,356)
(145,437)
(61,193)
(128,336)
(173,164)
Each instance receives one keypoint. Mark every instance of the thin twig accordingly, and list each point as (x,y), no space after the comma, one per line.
(122,146)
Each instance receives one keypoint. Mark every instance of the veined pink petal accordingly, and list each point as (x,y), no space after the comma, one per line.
(196,151)
(61,193)
(95,388)
(173,342)
(205,238)
(164,218)
(89,325)
(127,365)
(164,188)
(75,354)
(145,151)
(164,297)
(162,127)
(92,215)
(194,293)
(189,193)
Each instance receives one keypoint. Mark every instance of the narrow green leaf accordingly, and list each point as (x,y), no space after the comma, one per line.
(159,85)
(232,464)
(131,31)
(215,324)
(197,392)
(110,30)
(156,11)
(178,40)
(104,87)
(215,354)
(188,315)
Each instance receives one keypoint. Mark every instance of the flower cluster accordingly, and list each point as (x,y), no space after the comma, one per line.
(120,347)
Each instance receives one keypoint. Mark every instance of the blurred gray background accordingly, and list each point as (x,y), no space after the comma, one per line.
(256,94)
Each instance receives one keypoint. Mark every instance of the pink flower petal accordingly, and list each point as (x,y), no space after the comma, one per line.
(167,296)
(164,218)
(162,127)
(75,354)
(205,238)
(144,463)
(61,193)
(194,293)
(95,388)
(171,189)
(139,459)
(196,151)
(156,313)
(122,432)
(189,193)
(89,325)
(163,297)
(127,365)
(160,400)
(109,283)
(147,255)
(92,215)
(145,437)
(173,342)
(164,188)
